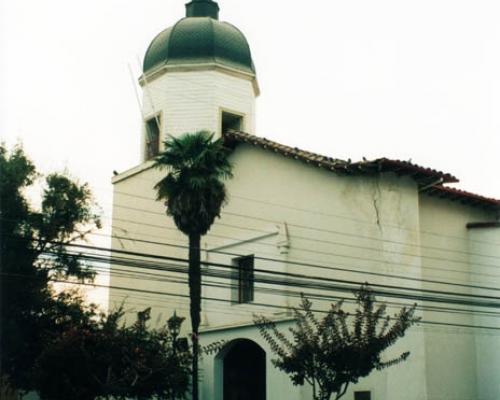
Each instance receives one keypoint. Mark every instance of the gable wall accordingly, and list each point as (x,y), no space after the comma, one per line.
(311,216)
(356,223)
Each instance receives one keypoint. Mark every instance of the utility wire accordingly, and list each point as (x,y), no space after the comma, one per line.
(309,264)
(357,236)
(295,259)
(158,277)
(325,214)
(213,235)
(317,240)
(320,281)
(305,262)
(129,289)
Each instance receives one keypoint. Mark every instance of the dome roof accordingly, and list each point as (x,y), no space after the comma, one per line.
(200,38)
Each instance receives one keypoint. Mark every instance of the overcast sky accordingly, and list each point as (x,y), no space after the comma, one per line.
(402,79)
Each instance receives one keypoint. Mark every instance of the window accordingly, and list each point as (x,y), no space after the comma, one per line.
(152,137)
(364,395)
(245,278)
(231,122)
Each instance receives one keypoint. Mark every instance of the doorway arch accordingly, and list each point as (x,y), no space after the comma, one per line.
(242,365)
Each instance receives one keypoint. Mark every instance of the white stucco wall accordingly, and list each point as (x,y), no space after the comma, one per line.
(270,187)
(453,367)
(278,384)
(189,101)
(288,211)
(484,246)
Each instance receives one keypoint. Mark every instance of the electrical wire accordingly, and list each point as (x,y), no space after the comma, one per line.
(318,279)
(325,214)
(295,260)
(155,277)
(357,236)
(163,227)
(317,240)
(320,282)
(123,238)
(308,263)
(276,306)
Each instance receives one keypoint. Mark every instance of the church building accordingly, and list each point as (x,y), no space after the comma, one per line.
(299,222)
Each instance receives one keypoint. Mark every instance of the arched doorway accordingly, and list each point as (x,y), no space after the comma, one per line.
(244,371)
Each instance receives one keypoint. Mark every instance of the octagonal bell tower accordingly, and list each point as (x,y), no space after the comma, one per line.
(197,75)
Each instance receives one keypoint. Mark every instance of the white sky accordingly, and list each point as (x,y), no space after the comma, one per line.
(401,79)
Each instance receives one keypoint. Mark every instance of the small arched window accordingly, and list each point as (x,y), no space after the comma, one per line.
(152,137)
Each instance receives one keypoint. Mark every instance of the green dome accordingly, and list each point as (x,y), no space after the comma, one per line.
(200,38)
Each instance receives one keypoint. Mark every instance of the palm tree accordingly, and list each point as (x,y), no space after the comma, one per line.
(195,193)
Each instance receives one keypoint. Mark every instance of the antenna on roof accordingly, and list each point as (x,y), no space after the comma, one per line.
(148,92)
(135,90)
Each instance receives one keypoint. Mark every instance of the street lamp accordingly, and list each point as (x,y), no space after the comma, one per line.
(174,326)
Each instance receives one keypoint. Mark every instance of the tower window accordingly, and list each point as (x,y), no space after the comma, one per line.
(231,122)
(152,137)
(244,279)
(363,395)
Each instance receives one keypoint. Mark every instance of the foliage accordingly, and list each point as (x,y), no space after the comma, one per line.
(330,354)
(103,359)
(193,188)
(32,244)
(50,341)
(195,194)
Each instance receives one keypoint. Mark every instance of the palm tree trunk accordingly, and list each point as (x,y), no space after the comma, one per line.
(195,306)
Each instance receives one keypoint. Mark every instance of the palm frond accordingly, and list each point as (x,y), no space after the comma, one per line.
(196,166)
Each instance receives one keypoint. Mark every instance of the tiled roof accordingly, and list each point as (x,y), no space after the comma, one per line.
(430,181)
(463,197)
(423,176)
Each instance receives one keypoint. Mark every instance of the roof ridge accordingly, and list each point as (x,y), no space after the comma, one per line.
(429,181)
(448,191)
(382,164)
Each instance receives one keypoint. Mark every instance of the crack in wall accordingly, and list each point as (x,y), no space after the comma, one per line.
(377,195)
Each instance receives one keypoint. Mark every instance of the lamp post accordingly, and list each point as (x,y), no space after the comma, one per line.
(174,327)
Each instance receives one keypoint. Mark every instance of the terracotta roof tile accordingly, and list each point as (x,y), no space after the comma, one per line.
(429,180)
(463,197)
(423,176)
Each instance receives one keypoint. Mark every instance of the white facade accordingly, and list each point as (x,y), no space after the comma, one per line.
(190,99)
(297,218)
(283,209)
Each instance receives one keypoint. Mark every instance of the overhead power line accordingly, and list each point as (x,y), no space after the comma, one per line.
(336,243)
(323,230)
(282,274)
(347,256)
(158,277)
(312,265)
(320,282)
(328,214)
(126,230)
(266,305)
(305,262)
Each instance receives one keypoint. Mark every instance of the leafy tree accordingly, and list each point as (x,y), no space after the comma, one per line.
(195,193)
(105,360)
(329,354)
(52,342)
(32,252)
